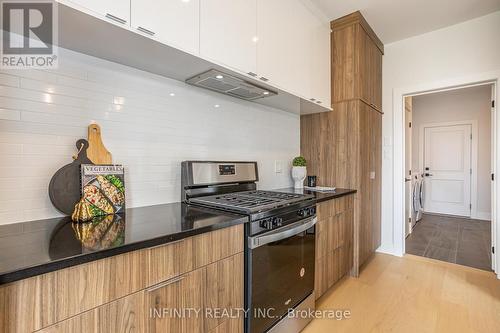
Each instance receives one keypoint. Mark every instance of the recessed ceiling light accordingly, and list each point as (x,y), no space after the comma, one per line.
(255,39)
(185,0)
(172,94)
(265,93)
(219,77)
(216,106)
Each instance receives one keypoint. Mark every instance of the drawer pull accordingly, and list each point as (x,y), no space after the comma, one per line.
(116,18)
(146,31)
(252,74)
(265,79)
(166,283)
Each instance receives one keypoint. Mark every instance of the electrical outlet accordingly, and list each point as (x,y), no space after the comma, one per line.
(278,166)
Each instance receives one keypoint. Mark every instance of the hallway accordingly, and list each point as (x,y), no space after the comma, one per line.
(453,239)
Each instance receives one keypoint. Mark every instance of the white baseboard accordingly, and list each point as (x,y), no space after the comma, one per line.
(482,216)
(388,250)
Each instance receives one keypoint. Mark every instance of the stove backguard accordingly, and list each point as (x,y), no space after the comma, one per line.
(201,178)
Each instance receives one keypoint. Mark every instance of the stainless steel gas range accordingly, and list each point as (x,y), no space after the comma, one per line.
(279,240)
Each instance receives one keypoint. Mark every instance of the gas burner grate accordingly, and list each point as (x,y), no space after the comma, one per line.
(251,201)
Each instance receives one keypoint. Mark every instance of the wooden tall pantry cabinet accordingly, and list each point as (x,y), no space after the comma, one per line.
(343,147)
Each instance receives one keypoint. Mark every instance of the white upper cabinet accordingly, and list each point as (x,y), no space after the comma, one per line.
(278,42)
(283,51)
(320,62)
(173,22)
(115,10)
(228,33)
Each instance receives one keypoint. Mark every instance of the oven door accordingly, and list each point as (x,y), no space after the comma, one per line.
(281,273)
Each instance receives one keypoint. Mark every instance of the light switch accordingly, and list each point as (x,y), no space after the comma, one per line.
(372,174)
(278,166)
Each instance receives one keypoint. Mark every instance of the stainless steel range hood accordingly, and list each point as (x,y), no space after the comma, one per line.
(230,85)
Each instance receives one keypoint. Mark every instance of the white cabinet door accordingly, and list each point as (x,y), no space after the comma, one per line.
(173,22)
(228,33)
(284,30)
(321,65)
(115,10)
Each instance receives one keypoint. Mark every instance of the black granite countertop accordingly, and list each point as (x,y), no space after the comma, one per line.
(32,248)
(320,196)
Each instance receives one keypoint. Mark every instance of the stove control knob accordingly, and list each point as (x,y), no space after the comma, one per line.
(302,213)
(312,210)
(277,221)
(266,224)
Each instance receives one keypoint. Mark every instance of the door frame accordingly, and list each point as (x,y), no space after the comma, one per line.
(473,157)
(398,214)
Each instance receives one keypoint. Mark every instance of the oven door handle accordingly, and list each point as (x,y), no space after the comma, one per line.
(274,236)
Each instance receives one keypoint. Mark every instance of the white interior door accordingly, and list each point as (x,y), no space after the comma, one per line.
(447,169)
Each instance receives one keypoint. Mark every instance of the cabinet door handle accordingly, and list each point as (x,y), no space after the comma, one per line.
(252,74)
(146,31)
(319,102)
(116,18)
(166,283)
(265,79)
(312,99)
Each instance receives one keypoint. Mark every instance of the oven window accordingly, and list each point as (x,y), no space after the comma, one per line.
(282,276)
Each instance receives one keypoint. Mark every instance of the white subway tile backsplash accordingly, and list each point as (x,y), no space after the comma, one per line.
(6,114)
(43,114)
(9,80)
(10,149)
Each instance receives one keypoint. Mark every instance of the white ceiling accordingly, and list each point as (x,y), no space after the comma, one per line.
(394,20)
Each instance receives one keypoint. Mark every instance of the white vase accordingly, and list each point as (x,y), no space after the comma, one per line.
(298,175)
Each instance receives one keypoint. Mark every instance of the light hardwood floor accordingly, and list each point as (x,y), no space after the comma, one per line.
(413,294)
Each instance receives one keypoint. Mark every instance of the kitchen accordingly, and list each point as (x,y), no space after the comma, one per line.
(194,126)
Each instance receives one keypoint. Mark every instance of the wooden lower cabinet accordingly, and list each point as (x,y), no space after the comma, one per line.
(177,258)
(180,298)
(31,304)
(225,290)
(115,294)
(185,304)
(334,238)
(124,315)
(199,298)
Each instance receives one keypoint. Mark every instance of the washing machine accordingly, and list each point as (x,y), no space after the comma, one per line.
(418,196)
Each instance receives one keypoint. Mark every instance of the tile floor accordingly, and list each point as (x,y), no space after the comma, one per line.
(453,239)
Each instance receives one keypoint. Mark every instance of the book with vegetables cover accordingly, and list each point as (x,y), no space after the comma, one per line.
(103,188)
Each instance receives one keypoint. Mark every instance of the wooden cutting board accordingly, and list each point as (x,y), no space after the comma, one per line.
(64,187)
(97,152)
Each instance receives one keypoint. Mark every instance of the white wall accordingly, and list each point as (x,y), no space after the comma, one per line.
(472,103)
(43,113)
(436,59)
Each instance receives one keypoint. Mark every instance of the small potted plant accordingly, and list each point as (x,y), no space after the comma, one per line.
(299,171)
